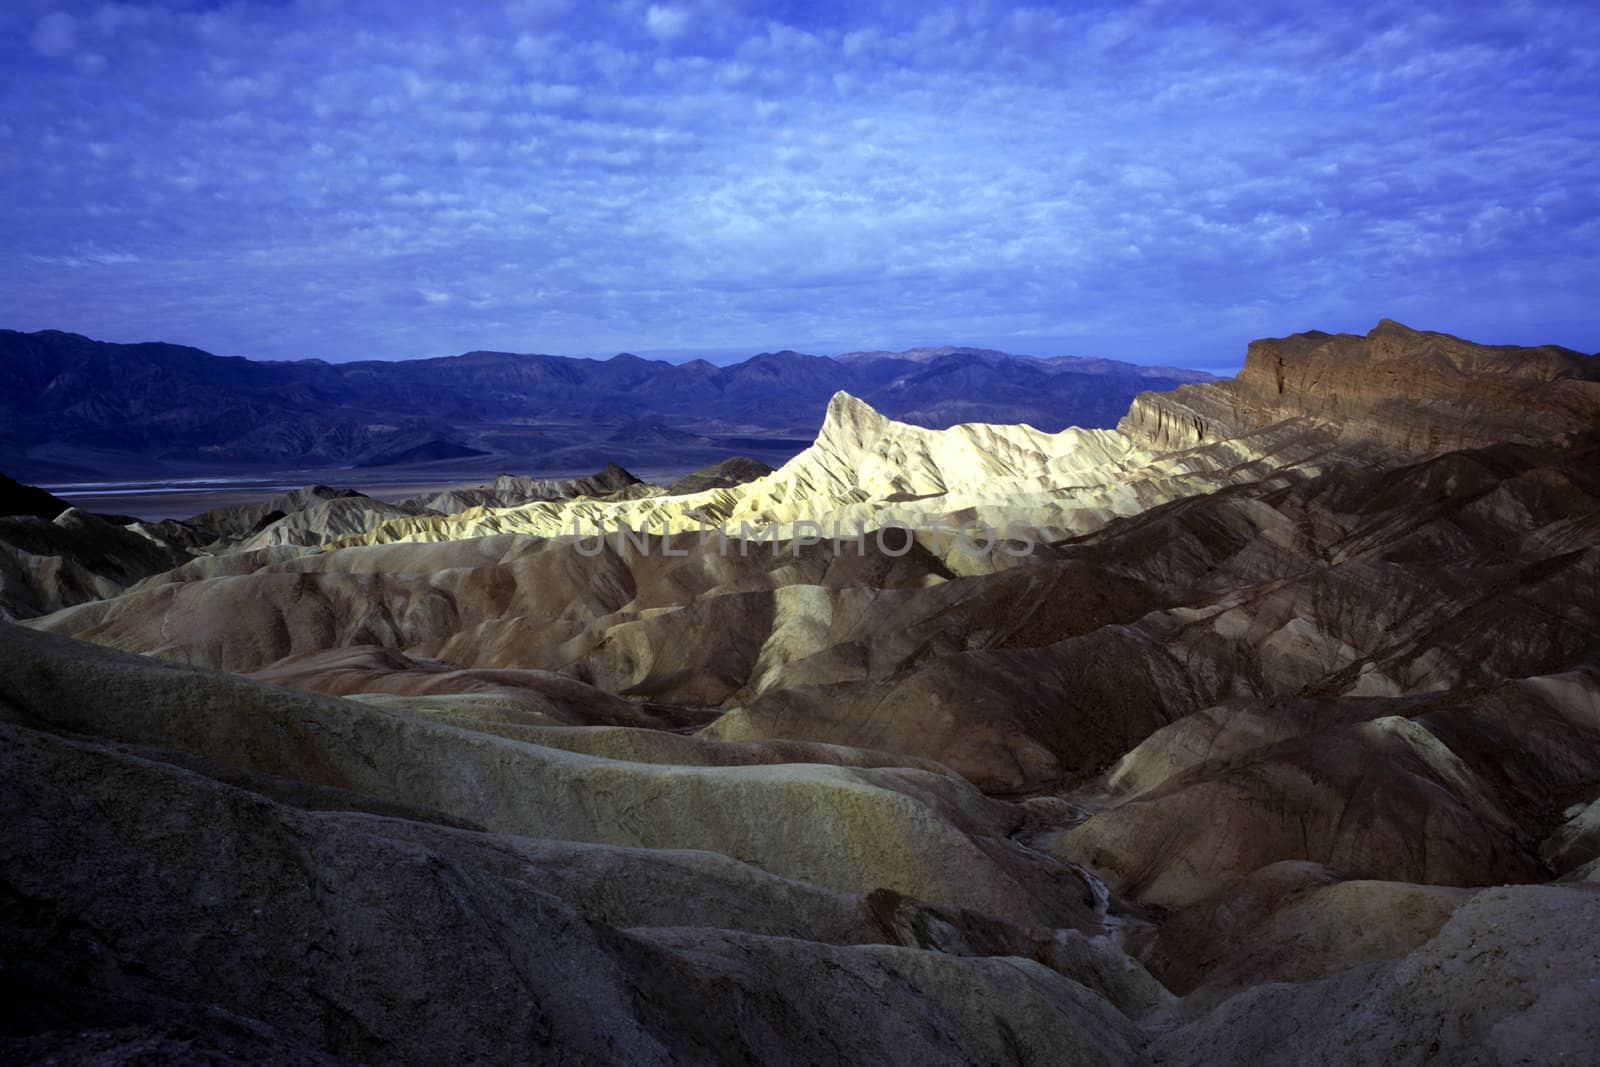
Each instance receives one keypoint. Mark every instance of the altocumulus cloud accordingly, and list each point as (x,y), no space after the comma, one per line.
(1155,182)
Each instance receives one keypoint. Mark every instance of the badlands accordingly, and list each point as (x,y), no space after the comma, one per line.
(1265,728)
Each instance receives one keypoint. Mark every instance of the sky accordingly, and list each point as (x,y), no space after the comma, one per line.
(1155,182)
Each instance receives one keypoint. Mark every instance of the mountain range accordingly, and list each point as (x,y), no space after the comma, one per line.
(71,407)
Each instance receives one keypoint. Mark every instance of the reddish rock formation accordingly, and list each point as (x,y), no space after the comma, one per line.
(1413,391)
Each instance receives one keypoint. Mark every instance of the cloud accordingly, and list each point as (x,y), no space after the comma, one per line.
(666,24)
(1157,182)
(86,256)
(55,35)
(110,19)
(537,12)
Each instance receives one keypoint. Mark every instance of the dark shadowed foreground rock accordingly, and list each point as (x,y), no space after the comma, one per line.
(140,894)
(1511,978)
(77,556)
(168,877)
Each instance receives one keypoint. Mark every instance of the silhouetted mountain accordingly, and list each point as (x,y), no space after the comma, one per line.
(19,499)
(66,399)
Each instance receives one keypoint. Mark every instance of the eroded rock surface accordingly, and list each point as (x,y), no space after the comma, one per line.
(1280,745)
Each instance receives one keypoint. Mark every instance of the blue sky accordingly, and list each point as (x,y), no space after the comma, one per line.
(1158,182)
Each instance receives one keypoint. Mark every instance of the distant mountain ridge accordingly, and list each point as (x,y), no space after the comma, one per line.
(1080,364)
(62,394)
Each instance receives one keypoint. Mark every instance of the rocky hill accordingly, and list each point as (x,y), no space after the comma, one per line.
(75,556)
(1409,390)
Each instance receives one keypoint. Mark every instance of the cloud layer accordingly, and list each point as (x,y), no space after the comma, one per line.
(1159,183)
